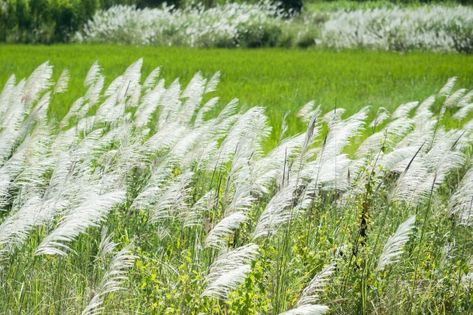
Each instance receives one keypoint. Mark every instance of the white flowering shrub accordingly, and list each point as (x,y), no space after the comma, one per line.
(228,25)
(433,28)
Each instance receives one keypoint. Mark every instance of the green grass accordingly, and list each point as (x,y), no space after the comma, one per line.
(281,80)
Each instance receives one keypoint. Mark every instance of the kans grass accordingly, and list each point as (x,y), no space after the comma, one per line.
(143,195)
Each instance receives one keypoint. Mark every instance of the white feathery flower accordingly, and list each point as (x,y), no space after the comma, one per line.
(112,280)
(36,83)
(217,237)
(208,106)
(461,202)
(93,74)
(393,248)
(310,294)
(402,111)
(212,83)
(453,99)
(307,309)
(5,95)
(88,214)
(381,117)
(173,199)
(106,245)
(340,133)
(463,112)
(63,82)
(229,270)
(151,78)
(195,215)
(447,88)
(149,105)
(279,210)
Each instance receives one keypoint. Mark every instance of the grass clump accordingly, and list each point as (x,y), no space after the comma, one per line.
(146,197)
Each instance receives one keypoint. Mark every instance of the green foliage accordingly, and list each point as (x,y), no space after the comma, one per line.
(252,296)
(52,21)
(291,6)
(43,20)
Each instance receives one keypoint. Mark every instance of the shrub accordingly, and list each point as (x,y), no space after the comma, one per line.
(48,21)
(432,28)
(229,25)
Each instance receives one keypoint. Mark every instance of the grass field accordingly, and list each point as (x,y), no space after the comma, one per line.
(280,80)
(141,190)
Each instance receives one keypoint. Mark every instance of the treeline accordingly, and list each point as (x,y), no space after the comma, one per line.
(50,21)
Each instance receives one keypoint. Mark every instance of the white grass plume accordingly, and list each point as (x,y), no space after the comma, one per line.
(213,82)
(425,172)
(463,112)
(62,83)
(447,88)
(5,95)
(149,195)
(111,281)
(88,214)
(307,309)
(387,137)
(310,294)
(393,248)
(278,211)
(93,74)
(15,228)
(173,199)
(340,133)
(461,202)
(37,82)
(271,167)
(149,104)
(307,112)
(402,111)
(195,215)
(107,245)
(223,285)
(229,270)
(380,118)
(151,78)
(453,99)
(244,137)
(217,237)
(208,106)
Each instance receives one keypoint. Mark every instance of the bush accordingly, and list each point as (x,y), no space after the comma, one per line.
(43,20)
(229,25)
(462,36)
(432,28)
(47,21)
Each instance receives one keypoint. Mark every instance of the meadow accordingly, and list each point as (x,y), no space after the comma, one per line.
(124,191)
(281,80)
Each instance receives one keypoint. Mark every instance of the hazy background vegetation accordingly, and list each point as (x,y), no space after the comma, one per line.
(53,21)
